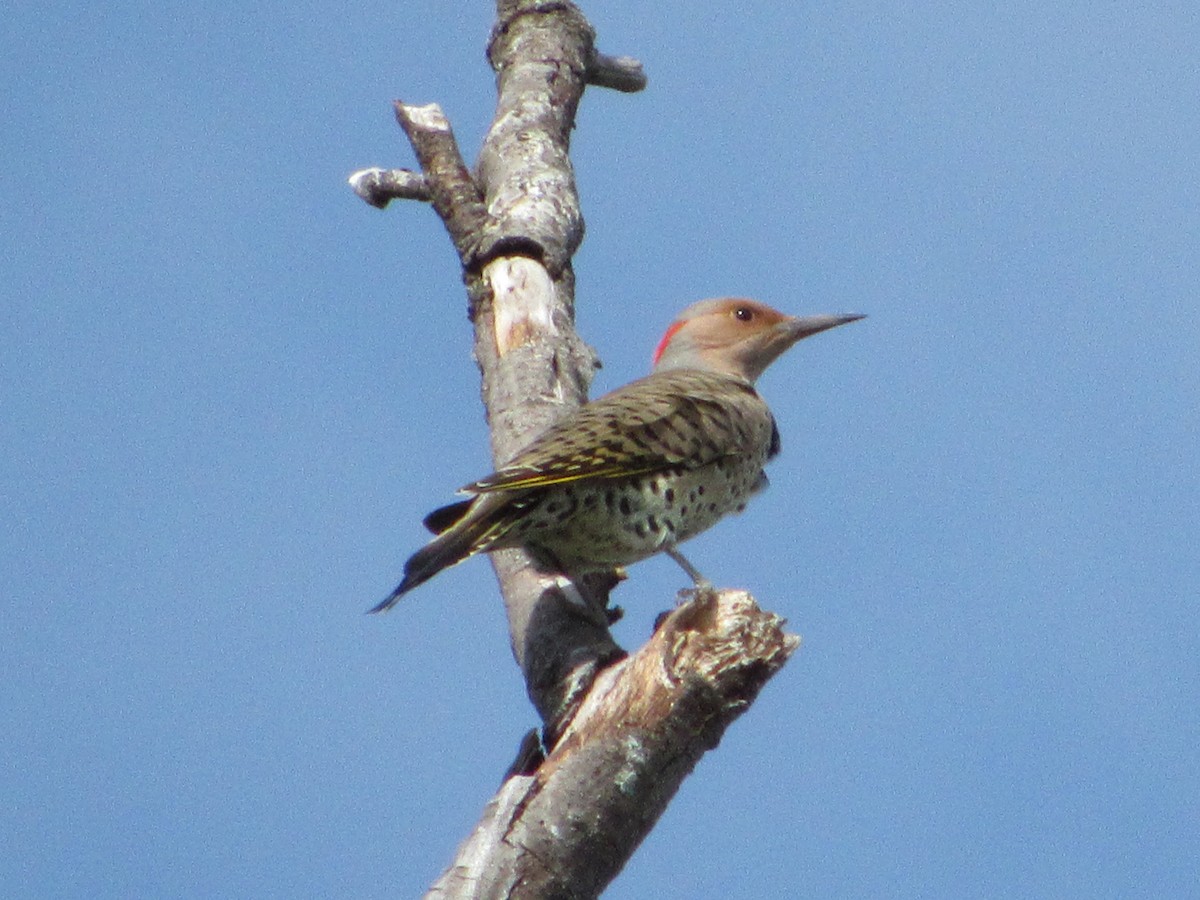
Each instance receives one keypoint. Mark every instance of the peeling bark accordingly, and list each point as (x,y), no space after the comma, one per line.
(568,828)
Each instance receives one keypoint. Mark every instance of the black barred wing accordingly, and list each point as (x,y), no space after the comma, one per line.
(677,418)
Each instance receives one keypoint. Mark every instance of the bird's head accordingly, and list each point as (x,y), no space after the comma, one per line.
(735,336)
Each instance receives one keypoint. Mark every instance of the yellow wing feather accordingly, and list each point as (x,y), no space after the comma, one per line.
(665,421)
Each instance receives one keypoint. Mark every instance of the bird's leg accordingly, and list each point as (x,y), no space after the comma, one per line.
(702,583)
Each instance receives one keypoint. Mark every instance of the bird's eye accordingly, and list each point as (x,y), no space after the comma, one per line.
(743,314)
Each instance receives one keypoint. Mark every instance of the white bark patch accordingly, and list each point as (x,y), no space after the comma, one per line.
(429,117)
(523,296)
(362,175)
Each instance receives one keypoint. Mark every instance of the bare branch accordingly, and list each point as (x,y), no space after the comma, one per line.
(379,187)
(535,368)
(567,829)
(540,53)
(451,189)
(620,73)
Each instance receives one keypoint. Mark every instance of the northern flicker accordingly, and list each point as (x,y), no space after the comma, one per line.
(641,469)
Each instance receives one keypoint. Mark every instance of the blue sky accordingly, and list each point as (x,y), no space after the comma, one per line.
(230,390)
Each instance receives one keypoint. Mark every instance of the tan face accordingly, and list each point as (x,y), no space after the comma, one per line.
(717,323)
(735,335)
(732,334)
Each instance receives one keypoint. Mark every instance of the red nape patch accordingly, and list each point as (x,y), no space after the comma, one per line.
(666,339)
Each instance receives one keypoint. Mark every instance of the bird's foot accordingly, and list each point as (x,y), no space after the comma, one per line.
(701,584)
(690,603)
(701,593)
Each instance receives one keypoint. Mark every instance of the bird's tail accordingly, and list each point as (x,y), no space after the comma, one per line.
(476,531)
(446,517)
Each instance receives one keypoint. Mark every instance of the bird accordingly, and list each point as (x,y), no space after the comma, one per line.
(639,470)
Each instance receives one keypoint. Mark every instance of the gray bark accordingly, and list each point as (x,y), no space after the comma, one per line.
(619,733)
(568,828)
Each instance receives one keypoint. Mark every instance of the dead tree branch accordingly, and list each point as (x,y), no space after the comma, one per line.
(620,733)
(567,829)
(379,187)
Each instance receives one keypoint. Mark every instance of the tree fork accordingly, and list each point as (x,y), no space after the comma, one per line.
(620,733)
